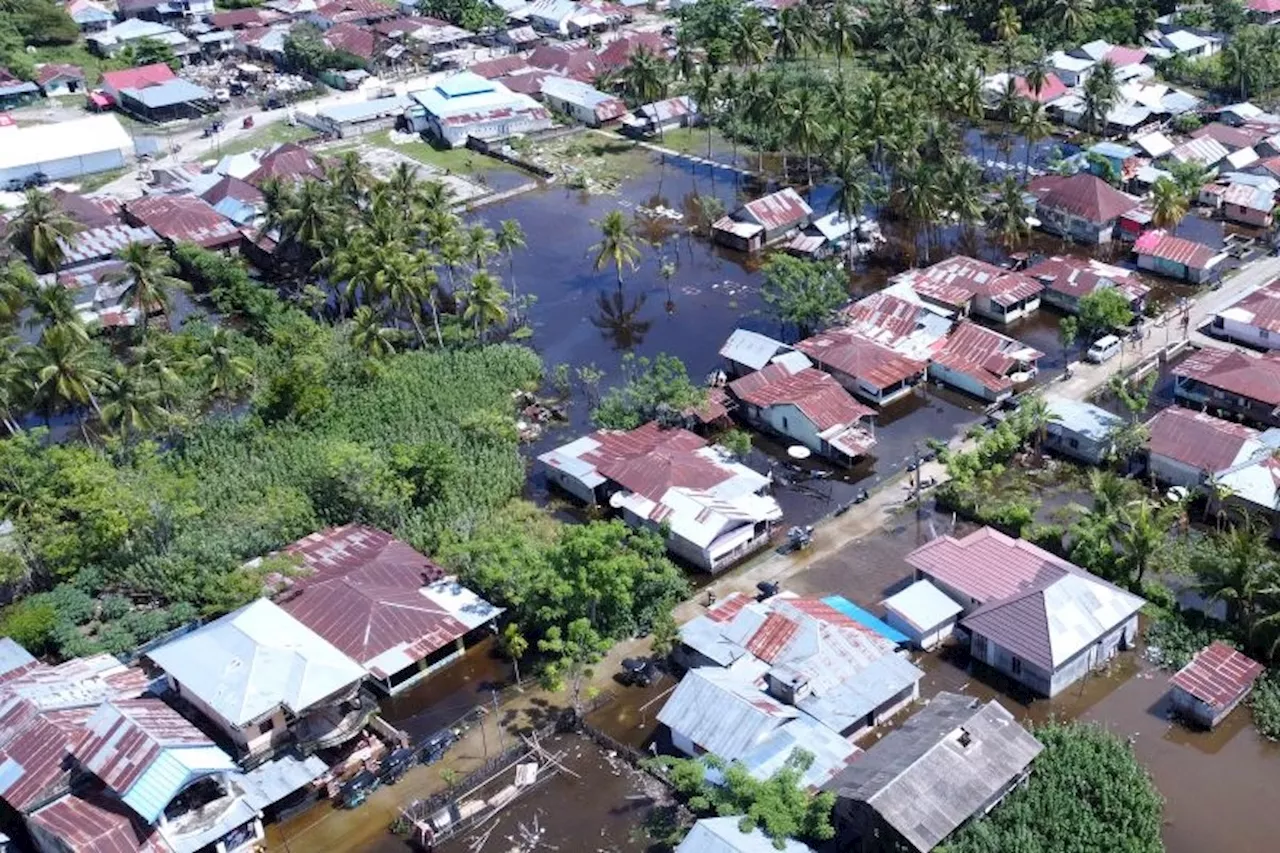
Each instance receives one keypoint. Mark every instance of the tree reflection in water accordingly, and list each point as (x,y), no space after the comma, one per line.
(618,319)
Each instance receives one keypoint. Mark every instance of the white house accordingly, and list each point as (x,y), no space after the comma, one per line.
(712,510)
(582,101)
(466,105)
(68,149)
(924,613)
(1254,319)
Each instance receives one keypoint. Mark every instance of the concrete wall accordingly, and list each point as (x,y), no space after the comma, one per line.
(70,167)
(985,307)
(965,383)
(570,484)
(1246,333)
(250,739)
(1173,472)
(1047,683)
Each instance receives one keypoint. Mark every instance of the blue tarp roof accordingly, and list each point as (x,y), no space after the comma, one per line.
(862,617)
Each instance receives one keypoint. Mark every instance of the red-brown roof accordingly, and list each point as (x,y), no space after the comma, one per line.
(984,355)
(96,823)
(861,358)
(124,737)
(1084,195)
(782,209)
(288,161)
(618,53)
(364,595)
(1158,244)
(955,281)
(90,212)
(500,67)
(352,39)
(772,636)
(1218,675)
(650,460)
(184,219)
(138,78)
(818,395)
(1120,56)
(237,19)
(1233,138)
(1260,309)
(1079,277)
(1052,89)
(579,64)
(36,756)
(527,83)
(1196,439)
(987,566)
(1254,377)
(53,71)
(232,187)
(355,10)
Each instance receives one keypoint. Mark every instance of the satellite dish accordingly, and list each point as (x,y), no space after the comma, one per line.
(799,451)
(1019,377)
(617,499)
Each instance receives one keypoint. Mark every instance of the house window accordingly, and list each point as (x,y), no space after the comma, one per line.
(1075,443)
(1015,666)
(266,726)
(1264,334)
(784,422)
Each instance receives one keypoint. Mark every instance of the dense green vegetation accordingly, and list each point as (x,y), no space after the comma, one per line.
(1086,792)
(779,806)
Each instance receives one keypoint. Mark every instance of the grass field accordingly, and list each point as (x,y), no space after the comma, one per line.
(75,54)
(279,131)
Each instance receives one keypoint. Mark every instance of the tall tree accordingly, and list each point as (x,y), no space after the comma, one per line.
(617,248)
(67,371)
(131,404)
(149,280)
(510,237)
(370,335)
(224,370)
(39,229)
(485,302)
(1168,204)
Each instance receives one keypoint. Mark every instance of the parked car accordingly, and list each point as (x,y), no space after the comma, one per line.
(638,671)
(1103,348)
(358,789)
(433,748)
(395,765)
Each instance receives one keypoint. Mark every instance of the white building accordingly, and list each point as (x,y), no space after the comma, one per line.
(582,101)
(712,510)
(64,150)
(1254,320)
(924,613)
(466,104)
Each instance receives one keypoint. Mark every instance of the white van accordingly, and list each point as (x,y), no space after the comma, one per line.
(1103,348)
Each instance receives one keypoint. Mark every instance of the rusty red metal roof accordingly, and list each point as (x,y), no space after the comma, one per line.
(651,460)
(772,636)
(955,281)
(581,64)
(236,19)
(861,358)
(364,595)
(1084,195)
(288,161)
(350,38)
(1261,308)
(1079,277)
(618,52)
(138,78)
(502,66)
(124,737)
(1218,675)
(1254,377)
(184,219)
(1158,244)
(33,762)
(782,209)
(818,395)
(1196,439)
(987,565)
(53,70)
(1232,138)
(96,823)
(728,607)
(985,355)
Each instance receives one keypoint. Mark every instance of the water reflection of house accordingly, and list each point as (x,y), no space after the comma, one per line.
(806,406)
(763,221)
(1227,381)
(952,761)
(384,605)
(1254,319)
(872,371)
(983,363)
(712,510)
(1029,614)
(963,285)
(1068,279)
(1213,684)
(1176,257)
(804,658)
(1083,207)
(267,681)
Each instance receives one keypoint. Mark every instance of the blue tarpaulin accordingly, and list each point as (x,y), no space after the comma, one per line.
(862,617)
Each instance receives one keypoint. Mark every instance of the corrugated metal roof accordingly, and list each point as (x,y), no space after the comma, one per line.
(1218,675)
(1077,277)
(721,712)
(366,596)
(96,824)
(287,161)
(956,280)
(751,349)
(95,243)
(14,658)
(184,219)
(1206,151)
(940,768)
(854,355)
(254,660)
(923,605)
(1253,377)
(987,565)
(985,355)
(722,835)
(816,394)
(269,783)
(1199,440)
(1081,418)
(1260,309)
(780,210)
(1085,195)
(865,618)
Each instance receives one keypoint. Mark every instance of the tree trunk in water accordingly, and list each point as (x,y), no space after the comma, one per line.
(511,274)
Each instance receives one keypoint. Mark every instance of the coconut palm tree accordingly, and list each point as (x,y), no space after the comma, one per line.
(510,237)
(404,288)
(131,404)
(1072,15)
(919,198)
(1033,124)
(857,187)
(426,265)
(350,176)
(485,302)
(1168,204)
(960,190)
(369,335)
(17,282)
(453,254)
(1037,75)
(1100,92)
(750,39)
(842,32)
(480,245)
(148,276)
(156,363)
(646,76)
(15,381)
(39,229)
(1008,26)
(55,306)
(807,123)
(1237,572)
(66,371)
(705,89)
(617,248)
(1144,529)
(217,360)
(793,34)
(1008,214)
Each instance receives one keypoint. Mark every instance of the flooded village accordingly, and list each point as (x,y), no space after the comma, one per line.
(502,427)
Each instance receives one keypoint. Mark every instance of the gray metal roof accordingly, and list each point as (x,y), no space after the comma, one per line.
(13,656)
(1086,419)
(723,712)
(168,94)
(946,762)
(722,835)
(269,783)
(751,348)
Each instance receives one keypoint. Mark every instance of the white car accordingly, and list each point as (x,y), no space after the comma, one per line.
(221,95)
